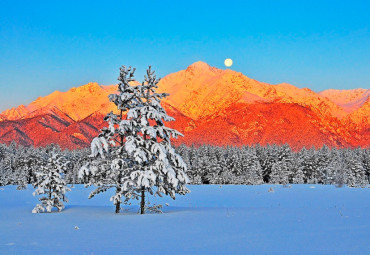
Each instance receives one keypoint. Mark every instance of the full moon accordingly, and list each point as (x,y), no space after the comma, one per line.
(228,62)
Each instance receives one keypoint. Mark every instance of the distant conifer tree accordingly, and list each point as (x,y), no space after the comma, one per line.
(50,182)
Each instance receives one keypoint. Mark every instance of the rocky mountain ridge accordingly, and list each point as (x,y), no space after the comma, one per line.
(211,106)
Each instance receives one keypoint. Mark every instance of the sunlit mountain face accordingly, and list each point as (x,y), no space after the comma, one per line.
(211,106)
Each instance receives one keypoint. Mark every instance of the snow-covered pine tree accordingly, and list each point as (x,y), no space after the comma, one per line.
(225,176)
(192,172)
(322,161)
(298,176)
(23,172)
(135,150)
(109,165)
(330,171)
(147,141)
(279,173)
(366,162)
(5,174)
(33,159)
(306,164)
(214,165)
(337,164)
(251,168)
(203,167)
(267,157)
(50,182)
(76,158)
(9,164)
(22,177)
(187,153)
(355,172)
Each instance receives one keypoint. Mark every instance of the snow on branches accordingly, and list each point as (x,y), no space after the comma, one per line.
(50,182)
(134,153)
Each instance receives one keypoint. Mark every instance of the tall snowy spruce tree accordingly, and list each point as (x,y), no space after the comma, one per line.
(50,182)
(137,145)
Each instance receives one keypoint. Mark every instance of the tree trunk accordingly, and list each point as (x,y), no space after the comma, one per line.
(118,206)
(118,190)
(50,191)
(142,204)
(121,134)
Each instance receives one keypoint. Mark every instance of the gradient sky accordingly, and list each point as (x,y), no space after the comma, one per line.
(55,45)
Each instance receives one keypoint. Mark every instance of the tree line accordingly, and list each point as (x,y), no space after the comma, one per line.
(250,165)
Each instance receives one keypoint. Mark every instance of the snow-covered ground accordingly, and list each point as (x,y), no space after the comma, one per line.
(213,219)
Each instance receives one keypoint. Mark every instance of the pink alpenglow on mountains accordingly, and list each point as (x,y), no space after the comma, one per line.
(211,106)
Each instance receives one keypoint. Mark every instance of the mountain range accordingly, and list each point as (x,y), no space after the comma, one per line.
(211,106)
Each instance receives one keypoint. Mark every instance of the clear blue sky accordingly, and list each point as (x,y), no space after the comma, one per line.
(55,45)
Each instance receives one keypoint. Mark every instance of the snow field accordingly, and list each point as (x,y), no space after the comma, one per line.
(212,219)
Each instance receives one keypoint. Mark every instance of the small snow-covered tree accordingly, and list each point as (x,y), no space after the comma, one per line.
(50,182)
